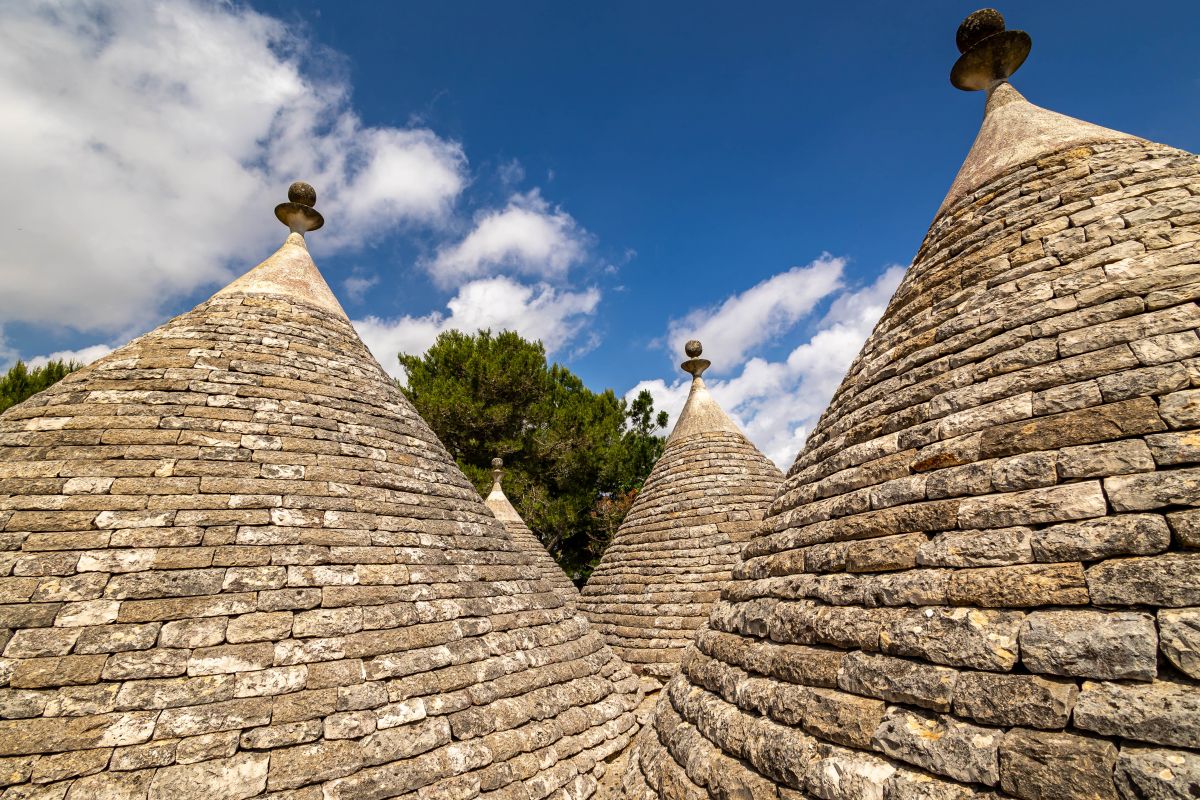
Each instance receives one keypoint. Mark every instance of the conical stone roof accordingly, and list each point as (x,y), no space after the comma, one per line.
(676,548)
(981,574)
(547,568)
(238,564)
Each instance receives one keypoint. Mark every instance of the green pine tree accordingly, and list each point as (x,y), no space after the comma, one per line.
(574,459)
(20,383)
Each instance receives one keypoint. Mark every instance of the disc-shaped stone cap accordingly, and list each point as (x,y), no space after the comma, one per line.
(298,213)
(989,52)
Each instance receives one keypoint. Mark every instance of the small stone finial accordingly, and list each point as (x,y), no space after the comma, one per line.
(695,365)
(990,54)
(497,469)
(298,213)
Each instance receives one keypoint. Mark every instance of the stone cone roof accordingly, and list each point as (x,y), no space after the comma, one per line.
(238,564)
(676,548)
(547,568)
(981,574)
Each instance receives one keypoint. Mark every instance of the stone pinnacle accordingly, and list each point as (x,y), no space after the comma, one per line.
(990,54)
(298,213)
(694,365)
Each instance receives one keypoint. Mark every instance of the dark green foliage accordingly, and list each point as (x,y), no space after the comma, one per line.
(573,458)
(21,383)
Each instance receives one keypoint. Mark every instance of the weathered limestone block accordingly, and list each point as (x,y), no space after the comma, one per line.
(1104,459)
(1008,700)
(1178,447)
(1034,506)
(994,547)
(1091,540)
(1171,580)
(885,553)
(242,776)
(842,718)
(1150,490)
(1181,409)
(838,773)
(1018,586)
(914,587)
(956,637)
(915,784)
(1179,638)
(899,680)
(941,744)
(1156,774)
(1090,643)
(51,735)
(1037,765)
(1162,712)
(1185,525)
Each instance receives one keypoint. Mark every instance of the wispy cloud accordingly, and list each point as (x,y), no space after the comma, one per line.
(743,321)
(357,286)
(527,237)
(536,312)
(778,402)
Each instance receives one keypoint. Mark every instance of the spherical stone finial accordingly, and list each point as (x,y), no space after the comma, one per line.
(497,463)
(977,27)
(693,348)
(298,212)
(302,193)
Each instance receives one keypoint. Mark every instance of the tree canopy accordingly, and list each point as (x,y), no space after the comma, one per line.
(574,459)
(20,382)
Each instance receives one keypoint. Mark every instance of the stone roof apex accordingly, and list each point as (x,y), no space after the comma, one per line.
(290,270)
(701,413)
(496,500)
(1014,131)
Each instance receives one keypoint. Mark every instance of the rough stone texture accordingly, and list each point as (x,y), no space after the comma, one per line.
(1090,644)
(677,546)
(238,563)
(1028,404)
(547,567)
(1035,765)
(1157,774)
(1179,638)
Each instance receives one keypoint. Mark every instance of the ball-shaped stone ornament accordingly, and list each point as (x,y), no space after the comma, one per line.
(497,463)
(978,26)
(693,348)
(302,193)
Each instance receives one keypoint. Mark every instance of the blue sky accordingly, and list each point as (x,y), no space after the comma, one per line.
(613,177)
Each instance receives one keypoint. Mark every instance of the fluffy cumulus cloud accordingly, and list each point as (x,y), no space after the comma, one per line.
(84,355)
(143,141)
(540,311)
(778,402)
(743,321)
(527,236)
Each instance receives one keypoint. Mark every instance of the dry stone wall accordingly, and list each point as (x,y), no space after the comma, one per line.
(544,564)
(981,576)
(237,564)
(665,567)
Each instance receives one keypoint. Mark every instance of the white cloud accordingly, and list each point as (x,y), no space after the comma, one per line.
(536,312)
(778,402)
(144,144)
(84,355)
(527,236)
(357,286)
(743,321)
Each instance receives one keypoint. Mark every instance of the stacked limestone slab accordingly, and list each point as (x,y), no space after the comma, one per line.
(238,564)
(981,575)
(676,548)
(544,564)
